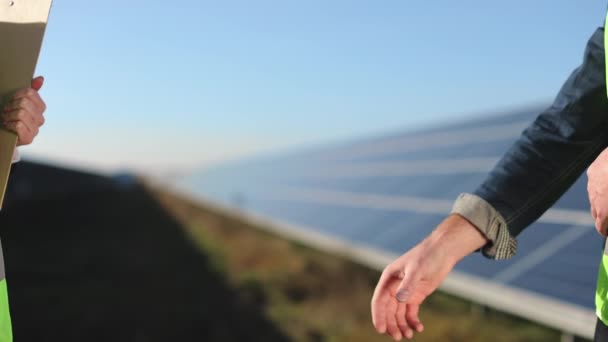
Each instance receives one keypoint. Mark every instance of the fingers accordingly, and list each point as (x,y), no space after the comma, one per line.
(23,110)
(32,96)
(399,293)
(25,135)
(600,219)
(391,320)
(37,83)
(390,315)
(601,226)
(593,212)
(379,301)
(24,123)
(412,317)
(24,113)
(406,331)
(597,188)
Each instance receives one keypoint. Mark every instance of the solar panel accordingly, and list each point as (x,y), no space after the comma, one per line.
(388,193)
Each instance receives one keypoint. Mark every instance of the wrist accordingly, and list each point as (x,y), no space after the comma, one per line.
(456,238)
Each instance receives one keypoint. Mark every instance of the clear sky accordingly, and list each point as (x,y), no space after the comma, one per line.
(164,85)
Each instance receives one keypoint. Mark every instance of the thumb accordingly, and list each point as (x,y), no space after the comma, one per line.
(37,83)
(407,286)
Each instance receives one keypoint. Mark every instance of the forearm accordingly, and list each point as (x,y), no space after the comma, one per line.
(456,237)
(542,165)
(544,162)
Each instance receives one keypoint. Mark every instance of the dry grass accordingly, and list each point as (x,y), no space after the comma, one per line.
(312,296)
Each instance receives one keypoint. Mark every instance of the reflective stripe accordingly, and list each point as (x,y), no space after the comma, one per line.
(6,331)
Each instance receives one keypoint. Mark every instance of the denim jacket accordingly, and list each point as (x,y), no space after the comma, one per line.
(546,159)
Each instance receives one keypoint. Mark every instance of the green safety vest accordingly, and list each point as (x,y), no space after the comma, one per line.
(601,291)
(6,330)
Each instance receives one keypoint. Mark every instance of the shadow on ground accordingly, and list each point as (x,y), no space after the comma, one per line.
(91,258)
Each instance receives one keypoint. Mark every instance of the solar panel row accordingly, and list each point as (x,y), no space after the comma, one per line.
(389,193)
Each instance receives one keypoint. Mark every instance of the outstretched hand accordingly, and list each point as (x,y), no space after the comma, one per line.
(403,286)
(410,279)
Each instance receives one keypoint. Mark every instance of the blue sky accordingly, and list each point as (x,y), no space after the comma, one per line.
(163,85)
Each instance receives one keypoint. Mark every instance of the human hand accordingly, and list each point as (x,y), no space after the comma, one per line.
(24,113)
(597,188)
(411,278)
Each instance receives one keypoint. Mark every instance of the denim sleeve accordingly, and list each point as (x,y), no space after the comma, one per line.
(547,158)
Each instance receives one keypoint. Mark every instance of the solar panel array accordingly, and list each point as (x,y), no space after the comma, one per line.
(390,192)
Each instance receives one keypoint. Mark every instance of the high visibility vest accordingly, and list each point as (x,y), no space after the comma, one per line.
(6,331)
(601,291)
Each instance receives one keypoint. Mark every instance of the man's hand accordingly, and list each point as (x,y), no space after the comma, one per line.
(597,187)
(24,113)
(407,281)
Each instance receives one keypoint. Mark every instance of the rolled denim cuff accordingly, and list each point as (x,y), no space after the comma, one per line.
(489,222)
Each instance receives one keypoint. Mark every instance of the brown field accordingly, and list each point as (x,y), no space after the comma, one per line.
(92,259)
(313,296)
